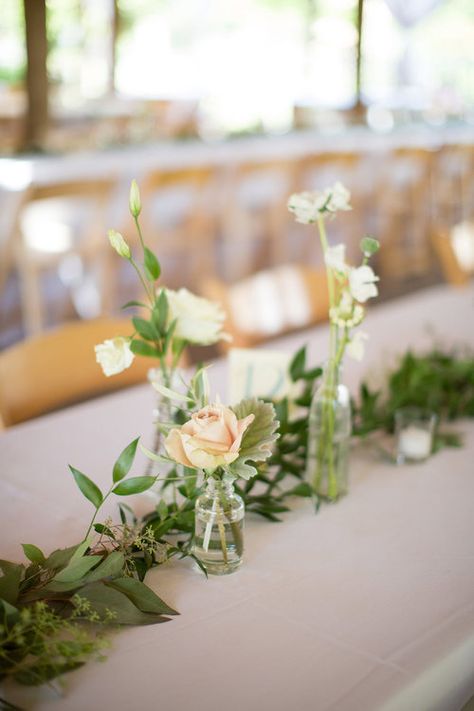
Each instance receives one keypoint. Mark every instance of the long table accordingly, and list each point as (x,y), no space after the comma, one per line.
(368,605)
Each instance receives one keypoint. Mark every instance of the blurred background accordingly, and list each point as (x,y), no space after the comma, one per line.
(221,110)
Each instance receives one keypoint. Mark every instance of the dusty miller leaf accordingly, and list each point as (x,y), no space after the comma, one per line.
(259,437)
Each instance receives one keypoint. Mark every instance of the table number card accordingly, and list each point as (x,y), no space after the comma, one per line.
(259,373)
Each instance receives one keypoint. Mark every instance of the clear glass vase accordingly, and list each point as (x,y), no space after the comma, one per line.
(329,434)
(162,412)
(219,528)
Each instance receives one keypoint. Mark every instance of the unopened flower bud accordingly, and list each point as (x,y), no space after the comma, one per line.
(119,244)
(134,203)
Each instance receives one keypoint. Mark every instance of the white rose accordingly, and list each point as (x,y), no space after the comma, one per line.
(356,346)
(362,283)
(114,355)
(198,320)
(335,258)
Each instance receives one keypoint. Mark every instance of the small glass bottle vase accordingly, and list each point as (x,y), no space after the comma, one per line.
(329,434)
(162,412)
(219,528)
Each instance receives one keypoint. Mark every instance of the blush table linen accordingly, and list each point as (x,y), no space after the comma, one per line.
(366,606)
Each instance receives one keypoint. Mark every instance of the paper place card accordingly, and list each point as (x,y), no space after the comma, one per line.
(258,373)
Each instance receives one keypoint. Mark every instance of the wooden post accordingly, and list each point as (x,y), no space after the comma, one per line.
(360,12)
(36,120)
(115,29)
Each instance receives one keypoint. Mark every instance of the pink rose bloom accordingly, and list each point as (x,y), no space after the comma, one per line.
(210,439)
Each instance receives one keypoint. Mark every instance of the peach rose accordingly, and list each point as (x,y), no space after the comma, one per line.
(211,438)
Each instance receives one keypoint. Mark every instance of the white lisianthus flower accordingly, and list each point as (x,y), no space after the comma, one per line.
(114,355)
(307,205)
(118,243)
(134,203)
(335,258)
(339,198)
(346,314)
(362,283)
(356,346)
(198,320)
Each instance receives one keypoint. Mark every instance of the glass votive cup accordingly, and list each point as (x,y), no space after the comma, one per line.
(414,433)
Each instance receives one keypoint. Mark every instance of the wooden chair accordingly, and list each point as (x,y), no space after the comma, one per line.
(402,199)
(179,222)
(58,220)
(270,303)
(59,368)
(455,250)
(453,185)
(254,217)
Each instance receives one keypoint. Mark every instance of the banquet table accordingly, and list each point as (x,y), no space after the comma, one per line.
(367,605)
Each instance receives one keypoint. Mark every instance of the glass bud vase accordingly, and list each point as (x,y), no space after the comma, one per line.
(329,433)
(162,412)
(219,528)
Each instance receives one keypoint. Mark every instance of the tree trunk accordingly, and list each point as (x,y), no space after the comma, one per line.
(36,120)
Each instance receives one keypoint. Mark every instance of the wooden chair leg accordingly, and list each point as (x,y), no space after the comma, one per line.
(31,298)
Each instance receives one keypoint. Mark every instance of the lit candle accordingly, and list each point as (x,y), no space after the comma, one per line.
(414,443)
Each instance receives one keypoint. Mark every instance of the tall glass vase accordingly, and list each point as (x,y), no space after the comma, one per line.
(219,527)
(329,433)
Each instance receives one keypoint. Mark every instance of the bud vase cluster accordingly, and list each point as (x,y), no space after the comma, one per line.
(349,289)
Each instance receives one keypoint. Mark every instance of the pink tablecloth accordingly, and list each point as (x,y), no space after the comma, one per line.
(368,605)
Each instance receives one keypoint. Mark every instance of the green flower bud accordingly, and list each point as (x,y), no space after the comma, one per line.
(119,244)
(369,246)
(134,200)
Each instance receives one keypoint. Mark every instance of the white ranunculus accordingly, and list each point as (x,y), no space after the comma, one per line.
(114,355)
(362,283)
(198,320)
(335,258)
(356,346)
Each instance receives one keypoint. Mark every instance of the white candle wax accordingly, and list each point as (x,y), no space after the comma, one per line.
(414,443)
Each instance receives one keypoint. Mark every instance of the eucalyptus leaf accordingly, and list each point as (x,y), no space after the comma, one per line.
(142,596)
(33,553)
(110,567)
(10,581)
(90,490)
(123,464)
(105,599)
(77,569)
(134,485)
(59,558)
